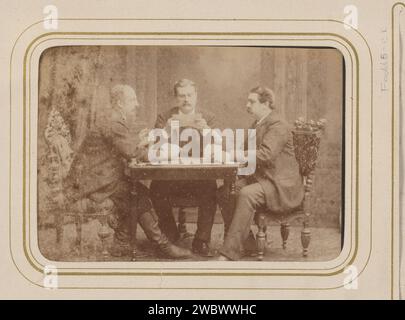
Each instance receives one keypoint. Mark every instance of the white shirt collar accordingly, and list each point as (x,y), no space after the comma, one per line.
(261,120)
(186,114)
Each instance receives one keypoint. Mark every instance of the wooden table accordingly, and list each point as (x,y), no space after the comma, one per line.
(172,172)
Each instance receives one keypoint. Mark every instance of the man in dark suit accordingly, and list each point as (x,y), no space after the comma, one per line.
(98,172)
(276,184)
(203,191)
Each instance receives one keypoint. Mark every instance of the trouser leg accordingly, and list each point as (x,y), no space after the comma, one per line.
(223,202)
(123,201)
(160,192)
(206,193)
(248,200)
(203,191)
(149,223)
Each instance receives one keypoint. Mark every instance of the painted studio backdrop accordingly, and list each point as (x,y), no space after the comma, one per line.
(308,82)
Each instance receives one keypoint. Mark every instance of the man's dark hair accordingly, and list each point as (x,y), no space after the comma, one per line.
(265,95)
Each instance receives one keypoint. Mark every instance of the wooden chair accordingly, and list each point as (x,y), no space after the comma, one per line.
(306,140)
(57,165)
(82,211)
(87,209)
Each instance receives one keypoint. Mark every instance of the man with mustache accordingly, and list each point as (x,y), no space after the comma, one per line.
(276,184)
(204,191)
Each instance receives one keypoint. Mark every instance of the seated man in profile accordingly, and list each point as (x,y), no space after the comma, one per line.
(276,185)
(204,191)
(97,172)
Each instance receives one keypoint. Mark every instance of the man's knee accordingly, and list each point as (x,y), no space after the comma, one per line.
(159,190)
(252,193)
(247,192)
(207,196)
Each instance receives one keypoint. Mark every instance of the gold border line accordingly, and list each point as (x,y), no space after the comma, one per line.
(393,153)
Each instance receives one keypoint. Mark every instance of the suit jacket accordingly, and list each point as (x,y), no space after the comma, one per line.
(99,163)
(277,169)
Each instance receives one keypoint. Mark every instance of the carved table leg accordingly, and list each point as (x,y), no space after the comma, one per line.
(261,236)
(134,220)
(229,198)
(231,201)
(285,232)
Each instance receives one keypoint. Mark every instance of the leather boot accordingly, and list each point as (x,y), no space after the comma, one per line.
(119,248)
(149,224)
(202,248)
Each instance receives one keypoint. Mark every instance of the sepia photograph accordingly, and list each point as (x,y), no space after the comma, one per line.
(189,150)
(190,153)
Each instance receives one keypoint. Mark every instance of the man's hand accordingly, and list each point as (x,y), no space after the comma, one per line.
(201,124)
(143,133)
(185,121)
(131,163)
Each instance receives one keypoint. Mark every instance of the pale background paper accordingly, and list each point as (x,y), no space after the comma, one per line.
(374,25)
